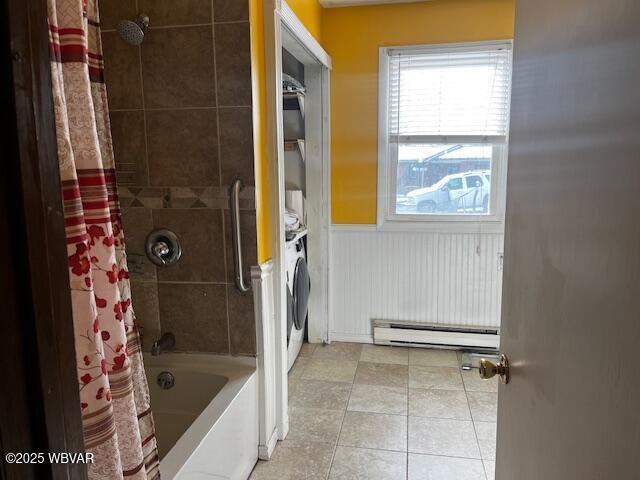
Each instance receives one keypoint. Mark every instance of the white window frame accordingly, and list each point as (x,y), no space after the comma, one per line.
(387,219)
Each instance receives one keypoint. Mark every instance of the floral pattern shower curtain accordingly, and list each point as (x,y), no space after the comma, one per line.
(114,395)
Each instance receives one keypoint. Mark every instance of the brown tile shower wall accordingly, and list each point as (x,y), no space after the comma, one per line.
(180,108)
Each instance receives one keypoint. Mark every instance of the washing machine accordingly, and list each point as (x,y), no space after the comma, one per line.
(298,289)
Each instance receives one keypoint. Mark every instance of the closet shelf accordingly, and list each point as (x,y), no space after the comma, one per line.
(293,100)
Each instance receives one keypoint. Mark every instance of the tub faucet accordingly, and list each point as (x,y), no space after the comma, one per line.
(166,342)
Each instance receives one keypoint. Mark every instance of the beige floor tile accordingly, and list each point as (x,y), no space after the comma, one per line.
(486,432)
(382,374)
(292,384)
(330,369)
(314,424)
(339,350)
(473,382)
(295,373)
(374,430)
(444,378)
(450,404)
(293,460)
(429,467)
(484,406)
(490,469)
(436,436)
(298,367)
(384,354)
(433,357)
(378,399)
(320,394)
(364,464)
(307,349)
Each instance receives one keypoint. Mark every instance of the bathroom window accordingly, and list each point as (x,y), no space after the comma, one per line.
(443,126)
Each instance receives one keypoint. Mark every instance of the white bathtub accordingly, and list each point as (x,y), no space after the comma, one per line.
(207,423)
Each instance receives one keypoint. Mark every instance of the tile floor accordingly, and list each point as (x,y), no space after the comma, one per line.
(371,412)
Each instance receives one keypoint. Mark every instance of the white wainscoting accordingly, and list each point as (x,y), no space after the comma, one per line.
(421,277)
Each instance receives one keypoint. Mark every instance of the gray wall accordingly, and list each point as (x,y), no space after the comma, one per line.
(180,109)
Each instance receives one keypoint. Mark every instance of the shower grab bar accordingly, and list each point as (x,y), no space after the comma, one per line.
(234,204)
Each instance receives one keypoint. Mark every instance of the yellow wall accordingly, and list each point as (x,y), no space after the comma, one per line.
(310,14)
(259,99)
(352,36)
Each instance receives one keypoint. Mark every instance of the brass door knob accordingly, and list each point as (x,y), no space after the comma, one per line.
(489,370)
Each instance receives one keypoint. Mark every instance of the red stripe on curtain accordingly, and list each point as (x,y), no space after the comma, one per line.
(123,445)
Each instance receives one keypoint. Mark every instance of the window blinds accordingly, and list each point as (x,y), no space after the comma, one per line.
(457,92)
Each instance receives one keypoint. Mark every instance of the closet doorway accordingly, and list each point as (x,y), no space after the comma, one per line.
(300,131)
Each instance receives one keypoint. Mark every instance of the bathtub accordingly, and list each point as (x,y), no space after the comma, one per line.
(207,423)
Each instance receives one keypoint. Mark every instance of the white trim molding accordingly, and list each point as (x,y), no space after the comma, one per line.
(351,338)
(304,38)
(275,147)
(262,283)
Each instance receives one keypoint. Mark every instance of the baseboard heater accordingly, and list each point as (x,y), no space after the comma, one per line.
(387,332)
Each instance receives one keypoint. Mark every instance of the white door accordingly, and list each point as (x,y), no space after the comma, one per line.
(571,298)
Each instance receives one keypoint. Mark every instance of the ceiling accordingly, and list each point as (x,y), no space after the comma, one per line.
(349,3)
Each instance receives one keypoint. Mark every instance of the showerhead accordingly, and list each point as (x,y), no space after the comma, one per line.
(132,31)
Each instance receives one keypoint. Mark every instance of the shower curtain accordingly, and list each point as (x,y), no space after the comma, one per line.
(117,421)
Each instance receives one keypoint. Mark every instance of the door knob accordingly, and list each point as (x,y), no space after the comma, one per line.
(489,370)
